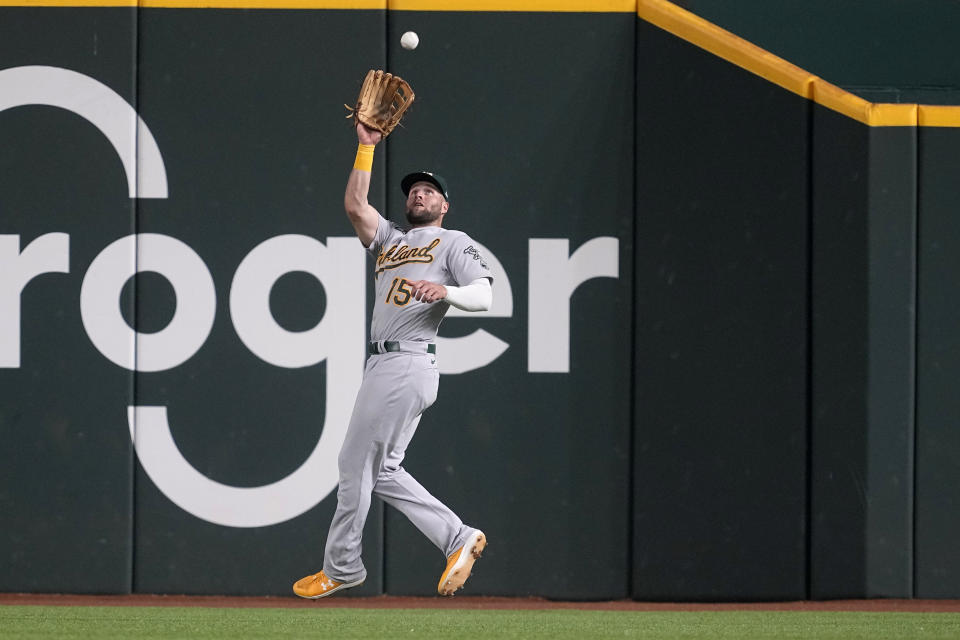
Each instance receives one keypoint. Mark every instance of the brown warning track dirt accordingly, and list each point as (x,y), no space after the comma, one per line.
(468,602)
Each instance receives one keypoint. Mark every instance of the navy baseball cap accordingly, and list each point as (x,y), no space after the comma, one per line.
(425,176)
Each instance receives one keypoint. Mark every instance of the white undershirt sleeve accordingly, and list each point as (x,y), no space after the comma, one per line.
(476,296)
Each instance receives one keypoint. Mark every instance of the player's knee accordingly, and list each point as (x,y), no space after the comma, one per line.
(389,472)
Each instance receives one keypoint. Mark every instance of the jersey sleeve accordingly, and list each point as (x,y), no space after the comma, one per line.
(385,230)
(466,263)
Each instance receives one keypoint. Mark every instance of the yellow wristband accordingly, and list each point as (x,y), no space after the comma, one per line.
(364,161)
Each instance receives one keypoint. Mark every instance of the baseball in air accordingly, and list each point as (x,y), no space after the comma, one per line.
(409,40)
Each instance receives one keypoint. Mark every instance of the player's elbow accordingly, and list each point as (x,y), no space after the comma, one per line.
(485,296)
(359,216)
(353,205)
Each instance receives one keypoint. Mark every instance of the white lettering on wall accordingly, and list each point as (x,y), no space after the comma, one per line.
(339,266)
(100,308)
(554,275)
(339,338)
(103,107)
(50,253)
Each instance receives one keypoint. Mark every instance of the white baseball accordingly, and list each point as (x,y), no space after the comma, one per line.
(409,40)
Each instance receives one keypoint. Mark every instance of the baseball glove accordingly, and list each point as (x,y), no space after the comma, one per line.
(382,102)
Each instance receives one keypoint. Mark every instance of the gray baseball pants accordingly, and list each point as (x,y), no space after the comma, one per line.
(397,388)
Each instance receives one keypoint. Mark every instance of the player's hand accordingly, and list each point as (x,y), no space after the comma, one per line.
(366,135)
(426,291)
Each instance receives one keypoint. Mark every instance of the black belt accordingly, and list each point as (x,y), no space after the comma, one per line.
(391,346)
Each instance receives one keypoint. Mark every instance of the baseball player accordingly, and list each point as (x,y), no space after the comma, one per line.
(419,273)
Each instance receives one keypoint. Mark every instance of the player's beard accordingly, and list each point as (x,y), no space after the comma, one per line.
(425,216)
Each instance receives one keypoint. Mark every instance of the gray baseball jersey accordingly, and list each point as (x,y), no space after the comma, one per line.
(443,256)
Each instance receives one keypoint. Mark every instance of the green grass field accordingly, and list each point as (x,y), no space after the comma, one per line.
(198,622)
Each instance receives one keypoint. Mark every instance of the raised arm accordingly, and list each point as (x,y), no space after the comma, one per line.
(363,217)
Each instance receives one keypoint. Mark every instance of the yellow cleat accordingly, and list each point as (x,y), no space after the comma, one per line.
(460,563)
(320,586)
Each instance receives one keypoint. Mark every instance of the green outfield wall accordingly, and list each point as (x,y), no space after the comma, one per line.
(718,365)
(882,50)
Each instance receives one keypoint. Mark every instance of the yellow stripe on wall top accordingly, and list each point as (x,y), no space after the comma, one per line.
(853,106)
(584,6)
(724,44)
(939,116)
(204,4)
(69,3)
(262,4)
